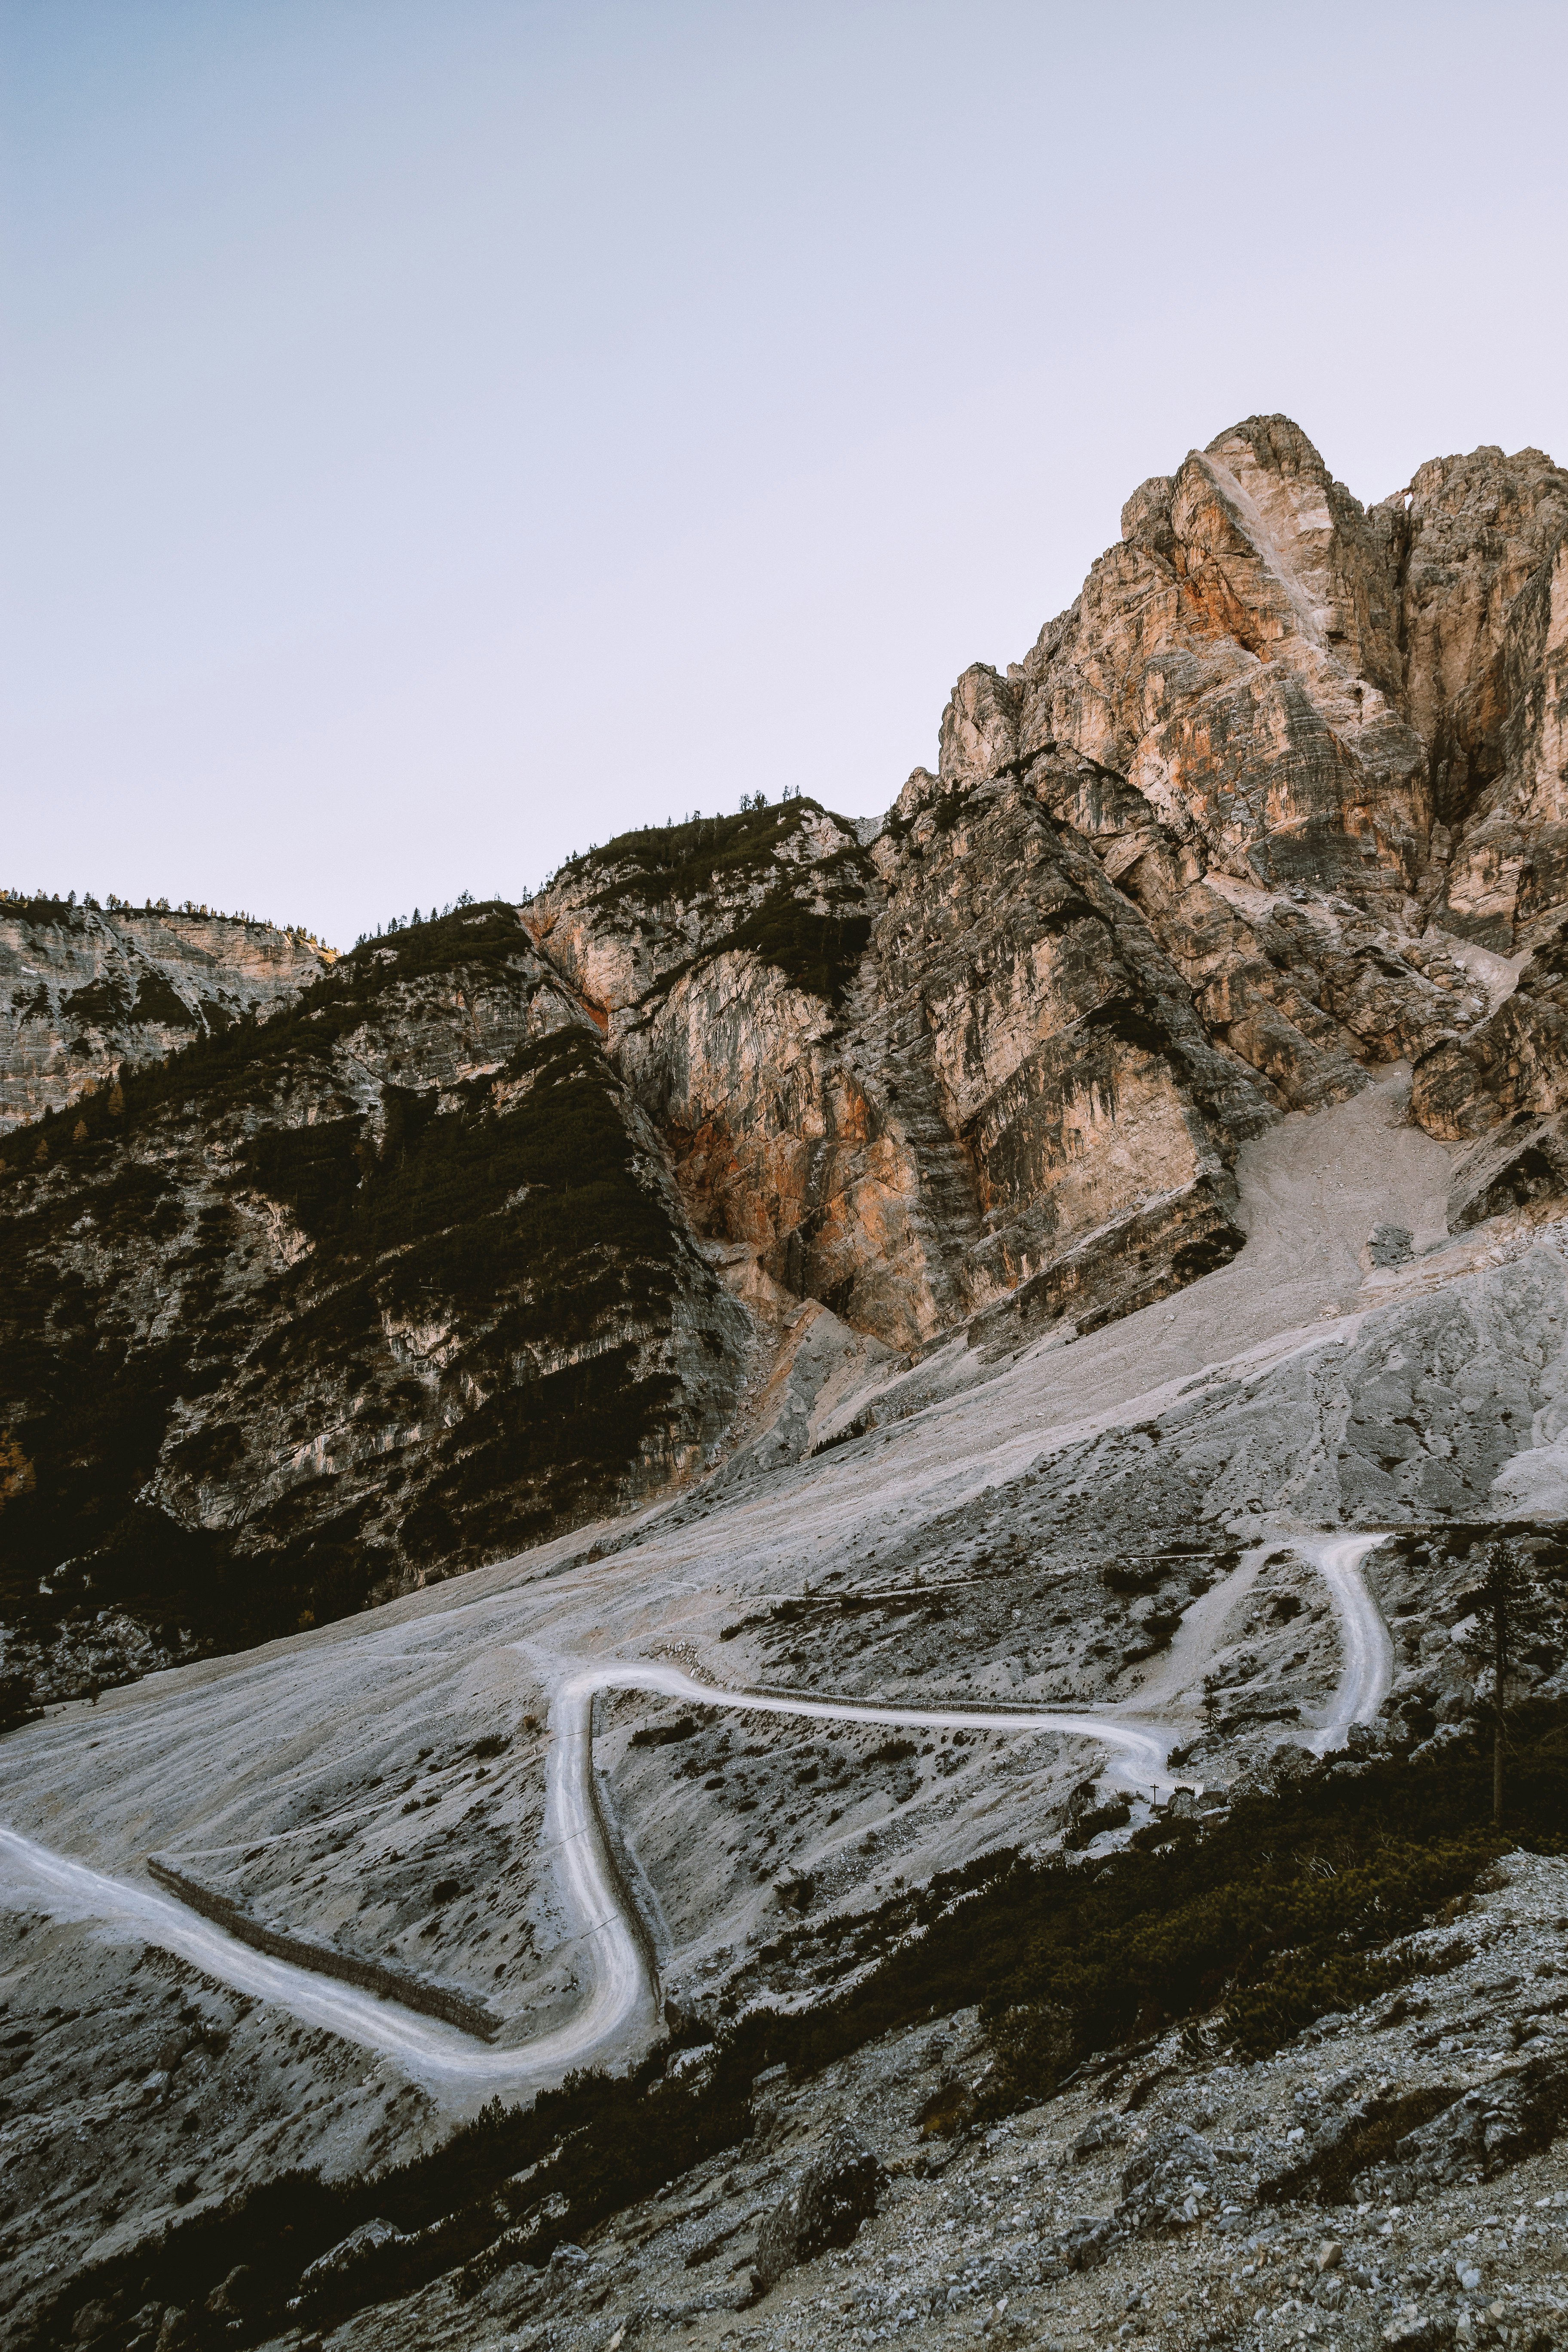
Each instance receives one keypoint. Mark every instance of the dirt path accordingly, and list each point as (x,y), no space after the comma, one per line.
(1368,1668)
(622,1997)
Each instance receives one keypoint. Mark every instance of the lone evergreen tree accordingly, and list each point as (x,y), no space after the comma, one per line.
(1512,1613)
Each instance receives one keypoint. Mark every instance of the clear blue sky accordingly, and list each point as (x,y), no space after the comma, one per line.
(437,436)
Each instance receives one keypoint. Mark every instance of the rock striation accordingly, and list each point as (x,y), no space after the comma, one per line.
(83,990)
(1280,802)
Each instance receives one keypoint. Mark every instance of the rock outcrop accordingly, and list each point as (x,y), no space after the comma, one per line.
(1272,806)
(1281,799)
(824,2206)
(84,990)
(341,1301)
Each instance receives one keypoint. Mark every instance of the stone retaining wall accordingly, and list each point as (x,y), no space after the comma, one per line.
(379,1977)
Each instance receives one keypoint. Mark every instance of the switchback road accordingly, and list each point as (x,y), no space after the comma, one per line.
(621,1998)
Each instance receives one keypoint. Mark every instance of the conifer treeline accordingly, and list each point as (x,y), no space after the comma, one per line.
(407,922)
(43,905)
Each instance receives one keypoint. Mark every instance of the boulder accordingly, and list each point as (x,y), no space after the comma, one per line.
(1417,2331)
(1085,2242)
(1491,2127)
(228,2300)
(1170,2183)
(358,2247)
(1389,1246)
(1100,2132)
(824,2206)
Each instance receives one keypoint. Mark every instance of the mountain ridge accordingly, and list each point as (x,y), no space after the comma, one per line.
(1280,802)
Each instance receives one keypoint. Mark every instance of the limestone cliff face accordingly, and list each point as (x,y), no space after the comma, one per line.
(1322,750)
(1027,998)
(1479,545)
(535,1211)
(331,1304)
(724,961)
(1236,660)
(1250,674)
(988,1062)
(83,990)
(1274,803)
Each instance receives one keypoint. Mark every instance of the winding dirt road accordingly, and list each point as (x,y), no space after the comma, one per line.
(1368,1667)
(622,2000)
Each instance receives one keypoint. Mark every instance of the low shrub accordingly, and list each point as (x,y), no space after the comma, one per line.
(664,1735)
(1326,2177)
(1062,1959)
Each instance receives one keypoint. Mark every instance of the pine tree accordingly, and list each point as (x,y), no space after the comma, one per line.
(1512,1612)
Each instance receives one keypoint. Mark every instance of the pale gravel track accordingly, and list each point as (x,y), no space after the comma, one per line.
(1368,1670)
(622,2002)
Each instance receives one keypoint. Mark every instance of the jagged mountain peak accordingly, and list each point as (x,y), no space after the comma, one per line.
(998,1377)
(1280,802)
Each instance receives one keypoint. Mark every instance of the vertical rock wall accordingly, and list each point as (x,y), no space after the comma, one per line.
(1271,806)
(83,990)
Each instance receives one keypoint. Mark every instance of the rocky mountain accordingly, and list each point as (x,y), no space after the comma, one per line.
(336,1300)
(529,1213)
(85,989)
(987,1367)
(1273,804)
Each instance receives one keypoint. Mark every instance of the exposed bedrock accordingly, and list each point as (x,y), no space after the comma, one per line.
(518,1216)
(1209,852)
(339,1302)
(83,989)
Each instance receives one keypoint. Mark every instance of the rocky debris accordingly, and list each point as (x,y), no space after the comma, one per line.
(1484,2131)
(824,2206)
(1160,2231)
(148,2103)
(1171,2183)
(1102,2131)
